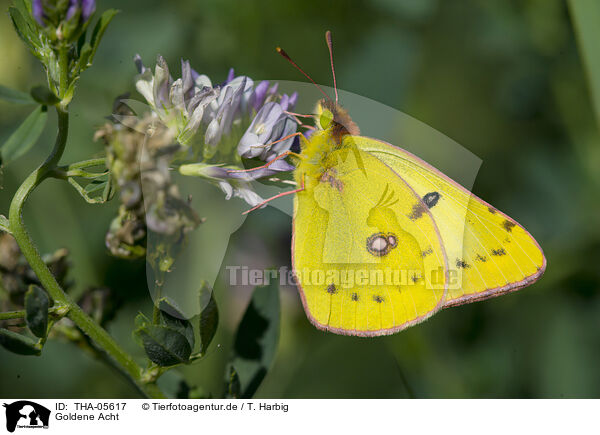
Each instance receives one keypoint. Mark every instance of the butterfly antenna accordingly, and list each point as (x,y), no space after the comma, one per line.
(330,46)
(289,59)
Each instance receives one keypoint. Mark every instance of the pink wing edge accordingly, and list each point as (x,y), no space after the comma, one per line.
(376,332)
(493,292)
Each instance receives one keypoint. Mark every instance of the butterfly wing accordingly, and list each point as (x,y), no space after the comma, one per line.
(357,249)
(489,253)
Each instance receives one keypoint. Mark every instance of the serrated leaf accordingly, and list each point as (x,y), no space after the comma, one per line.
(256,341)
(36,309)
(43,95)
(14,96)
(99,30)
(19,344)
(209,317)
(25,136)
(174,319)
(164,346)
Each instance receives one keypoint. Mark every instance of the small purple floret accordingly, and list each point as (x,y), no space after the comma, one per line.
(38,12)
(73,5)
(88,7)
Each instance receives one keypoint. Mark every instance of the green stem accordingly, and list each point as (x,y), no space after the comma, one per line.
(85,164)
(12,315)
(76,169)
(76,314)
(63,61)
(21,314)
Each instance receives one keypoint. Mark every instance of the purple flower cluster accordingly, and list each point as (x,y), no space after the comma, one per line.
(235,120)
(46,10)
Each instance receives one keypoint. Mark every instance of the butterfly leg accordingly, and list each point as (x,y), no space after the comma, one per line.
(297,117)
(278,140)
(289,192)
(266,165)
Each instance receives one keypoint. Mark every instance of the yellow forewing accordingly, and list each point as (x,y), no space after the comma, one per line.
(488,253)
(366,252)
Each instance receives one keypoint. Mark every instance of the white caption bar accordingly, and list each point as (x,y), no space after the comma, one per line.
(295,416)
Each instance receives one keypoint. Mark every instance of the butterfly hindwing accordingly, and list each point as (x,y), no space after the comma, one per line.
(488,252)
(366,250)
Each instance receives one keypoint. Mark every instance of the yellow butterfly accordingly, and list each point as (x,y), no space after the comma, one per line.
(382,240)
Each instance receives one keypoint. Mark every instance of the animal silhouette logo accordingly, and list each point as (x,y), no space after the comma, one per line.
(26,414)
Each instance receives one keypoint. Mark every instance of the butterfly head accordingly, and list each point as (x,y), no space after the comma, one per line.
(332,117)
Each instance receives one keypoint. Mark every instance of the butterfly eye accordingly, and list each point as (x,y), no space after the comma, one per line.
(326,118)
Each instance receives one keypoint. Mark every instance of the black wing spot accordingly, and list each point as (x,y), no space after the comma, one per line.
(331,289)
(492,210)
(380,244)
(498,252)
(378,299)
(415,278)
(508,225)
(481,258)
(431,199)
(355,297)
(461,264)
(417,211)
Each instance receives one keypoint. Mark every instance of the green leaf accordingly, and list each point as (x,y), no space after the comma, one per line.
(70,90)
(209,317)
(586,16)
(97,191)
(25,8)
(36,309)
(24,29)
(109,190)
(18,343)
(141,321)
(163,346)
(43,95)
(255,342)
(95,186)
(99,30)
(53,69)
(14,96)
(172,318)
(84,58)
(4,224)
(25,136)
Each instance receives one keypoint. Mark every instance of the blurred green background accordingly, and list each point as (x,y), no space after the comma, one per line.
(505,79)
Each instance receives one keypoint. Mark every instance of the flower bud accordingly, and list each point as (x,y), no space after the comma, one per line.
(63,19)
